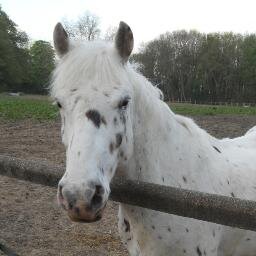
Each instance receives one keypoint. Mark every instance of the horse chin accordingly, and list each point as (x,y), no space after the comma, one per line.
(87,218)
(97,218)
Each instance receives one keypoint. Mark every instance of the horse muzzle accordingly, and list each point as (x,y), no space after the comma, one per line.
(88,208)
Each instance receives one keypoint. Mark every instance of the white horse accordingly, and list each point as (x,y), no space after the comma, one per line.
(114,123)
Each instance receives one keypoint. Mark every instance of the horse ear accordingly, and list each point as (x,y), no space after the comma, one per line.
(60,39)
(124,41)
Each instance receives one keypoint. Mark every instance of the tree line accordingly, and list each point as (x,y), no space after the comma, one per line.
(24,66)
(201,67)
(27,66)
(186,65)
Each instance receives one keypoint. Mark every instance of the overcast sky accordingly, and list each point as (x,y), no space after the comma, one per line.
(147,18)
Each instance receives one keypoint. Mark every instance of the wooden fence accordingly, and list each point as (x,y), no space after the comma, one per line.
(219,209)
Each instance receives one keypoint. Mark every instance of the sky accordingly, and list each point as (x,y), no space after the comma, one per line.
(147,19)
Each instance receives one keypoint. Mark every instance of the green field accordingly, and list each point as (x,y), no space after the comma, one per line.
(41,108)
(193,110)
(23,107)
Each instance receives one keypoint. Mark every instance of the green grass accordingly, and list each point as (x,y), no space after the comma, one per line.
(41,108)
(193,110)
(24,107)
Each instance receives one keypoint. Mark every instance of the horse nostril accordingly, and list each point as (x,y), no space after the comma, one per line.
(97,197)
(96,200)
(99,190)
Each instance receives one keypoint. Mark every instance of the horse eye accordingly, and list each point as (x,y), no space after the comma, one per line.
(123,103)
(59,105)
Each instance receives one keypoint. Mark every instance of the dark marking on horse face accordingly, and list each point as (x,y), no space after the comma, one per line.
(115,121)
(187,230)
(94,116)
(232,194)
(216,149)
(199,253)
(169,229)
(228,182)
(184,179)
(127,225)
(103,120)
(121,154)
(184,251)
(111,147)
(123,119)
(153,227)
(73,90)
(248,239)
(119,139)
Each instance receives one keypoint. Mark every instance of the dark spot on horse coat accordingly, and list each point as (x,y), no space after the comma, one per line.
(216,149)
(199,253)
(115,121)
(103,120)
(94,116)
(153,227)
(111,147)
(106,94)
(248,239)
(187,230)
(169,229)
(127,225)
(73,90)
(121,154)
(119,138)
(184,251)
(185,179)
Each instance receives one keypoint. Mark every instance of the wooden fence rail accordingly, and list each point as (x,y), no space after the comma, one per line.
(193,204)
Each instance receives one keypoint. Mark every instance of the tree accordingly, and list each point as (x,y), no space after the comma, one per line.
(202,67)
(110,33)
(85,28)
(42,64)
(14,57)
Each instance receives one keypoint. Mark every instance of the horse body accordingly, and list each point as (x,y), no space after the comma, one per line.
(114,123)
(171,150)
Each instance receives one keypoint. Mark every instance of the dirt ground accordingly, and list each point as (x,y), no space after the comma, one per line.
(31,222)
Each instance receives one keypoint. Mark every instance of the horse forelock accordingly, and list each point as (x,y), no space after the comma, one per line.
(96,65)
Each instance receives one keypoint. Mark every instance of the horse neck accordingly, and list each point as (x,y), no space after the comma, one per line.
(167,148)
